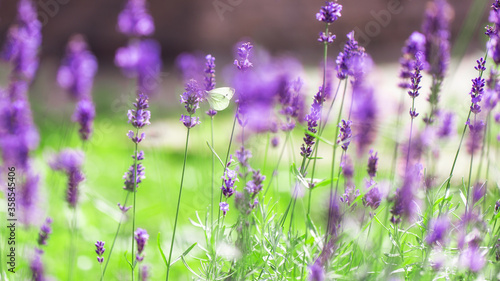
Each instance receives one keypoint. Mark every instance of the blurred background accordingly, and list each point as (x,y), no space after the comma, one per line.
(213,26)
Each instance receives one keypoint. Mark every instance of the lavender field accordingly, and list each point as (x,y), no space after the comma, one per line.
(255,163)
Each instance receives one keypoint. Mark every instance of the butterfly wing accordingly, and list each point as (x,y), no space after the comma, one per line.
(219,98)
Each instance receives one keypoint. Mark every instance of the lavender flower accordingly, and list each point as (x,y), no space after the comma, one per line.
(139,117)
(36,266)
(141,236)
(142,60)
(129,178)
(414,44)
(437,230)
(349,58)
(435,27)
(99,251)
(404,200)
(70,162)
(326,38)
(415,79)
(329,13)
(497,206)
(372,198)
(243,156)
(447,126)
(244,53)
(191,97)
(45,230)
(477,90)
(472,258)
(84,115)
(291,102)
(124,209)
(189,122)
(135,20)
(478,192)
(372,164)
(475,139)
(345,135)
(364,115)
(255,185)
(493,45)
(316,272)
(229,178)
(211,112)
(312,123)
(209,73)
(77,70)
(224,207)
(23,41)
(144,273)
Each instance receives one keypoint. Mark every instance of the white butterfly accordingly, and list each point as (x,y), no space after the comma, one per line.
(219,98)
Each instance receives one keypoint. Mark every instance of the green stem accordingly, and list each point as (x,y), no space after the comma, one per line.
(213,173)
(178,203)
(114,239)
(134,206)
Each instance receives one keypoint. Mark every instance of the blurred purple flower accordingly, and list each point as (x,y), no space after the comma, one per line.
(415,44)
(144,273)
(475,139)
(45,230)
(372,198)
(292,102)
(438,229)
(329,13)
(364,115)
(209,73)
(36,266)
(472,258)
(404,200)
(191,66)
(372,164)
(78,68)
(142,60)
(447,126)
(23,41)
(316,272)
(478,192)
(436,29)
(349,59)
(141,236)
(224,207)
(275,141)
(255,185)
(493,44)
(70,162)
(134,20)
(84,115)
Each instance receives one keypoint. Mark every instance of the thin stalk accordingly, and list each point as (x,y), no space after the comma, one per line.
(470,176)
(396,144)
(411,131)
(114,239)
(227,157)
(277,164)
(213,173)
(448,181)
(178,203)
(72,250)
(134,206)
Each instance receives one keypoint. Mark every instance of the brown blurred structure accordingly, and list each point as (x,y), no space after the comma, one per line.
(215,25)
